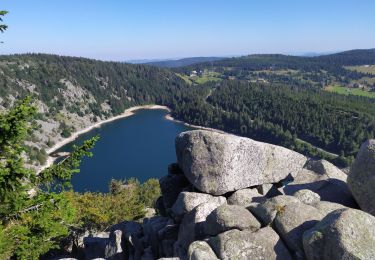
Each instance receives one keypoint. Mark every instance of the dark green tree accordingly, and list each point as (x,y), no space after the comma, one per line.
(3,27)
(34,211)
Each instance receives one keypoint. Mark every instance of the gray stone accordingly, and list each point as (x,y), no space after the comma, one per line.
(192,225)
(130,227)
(329,189)
(269,190)
(167,247)
(174,169)
(266,211)
(113,249)
(131,234)
(262,244)
(147,255)
(151,228)
(160,208)
(326,168)
(246,197)
(150,212)
(187,201)
(337,191)
(200,250)
(170,186)
(218,163)
(227,217)
(343,234)
(292,221)
(304,179)
(326,207)
(94,247)
(361,179)
(264,188)
(170,231)
(307,196)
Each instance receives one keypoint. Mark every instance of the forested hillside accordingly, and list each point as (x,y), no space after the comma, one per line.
(73,93)
(312,72)
(286,116)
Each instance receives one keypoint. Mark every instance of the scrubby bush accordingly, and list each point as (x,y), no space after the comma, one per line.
(125,201)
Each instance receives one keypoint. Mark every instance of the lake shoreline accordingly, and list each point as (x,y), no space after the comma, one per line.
(127,113)
(169,117)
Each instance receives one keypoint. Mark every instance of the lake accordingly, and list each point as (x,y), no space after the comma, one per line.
(140,146)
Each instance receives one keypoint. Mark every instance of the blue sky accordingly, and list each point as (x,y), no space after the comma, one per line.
(151,29)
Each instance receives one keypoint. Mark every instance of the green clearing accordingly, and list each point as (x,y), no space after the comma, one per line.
(365,80)
(279,72)
(350,91)
(185,78)
(206,77)
(363,68)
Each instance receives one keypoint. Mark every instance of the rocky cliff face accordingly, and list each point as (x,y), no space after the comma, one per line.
(233,198)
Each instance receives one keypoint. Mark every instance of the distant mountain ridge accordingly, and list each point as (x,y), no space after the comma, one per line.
(332,63)
(182,62)
(344,58)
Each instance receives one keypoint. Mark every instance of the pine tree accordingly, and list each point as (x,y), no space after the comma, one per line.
(34,211)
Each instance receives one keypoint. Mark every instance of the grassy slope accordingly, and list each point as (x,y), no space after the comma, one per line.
(364,69)
(350,91)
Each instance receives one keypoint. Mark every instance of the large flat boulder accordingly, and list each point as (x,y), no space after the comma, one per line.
(262,244)
(342,234)
(218,163)
(361,179)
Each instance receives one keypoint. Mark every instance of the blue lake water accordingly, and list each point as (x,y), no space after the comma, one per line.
(140,146)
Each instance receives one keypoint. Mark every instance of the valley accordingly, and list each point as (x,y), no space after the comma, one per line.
(270,98)
(200,130)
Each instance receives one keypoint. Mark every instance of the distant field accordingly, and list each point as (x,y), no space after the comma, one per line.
(279,71)
(350,91)
(204,79)
(207,76)
(185,78)
(364,69)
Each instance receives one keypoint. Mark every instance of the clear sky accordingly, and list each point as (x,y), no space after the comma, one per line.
(149,29)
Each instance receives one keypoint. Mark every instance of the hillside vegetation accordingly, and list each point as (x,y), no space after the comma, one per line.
(273,98)
(73,93)
(312,72)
